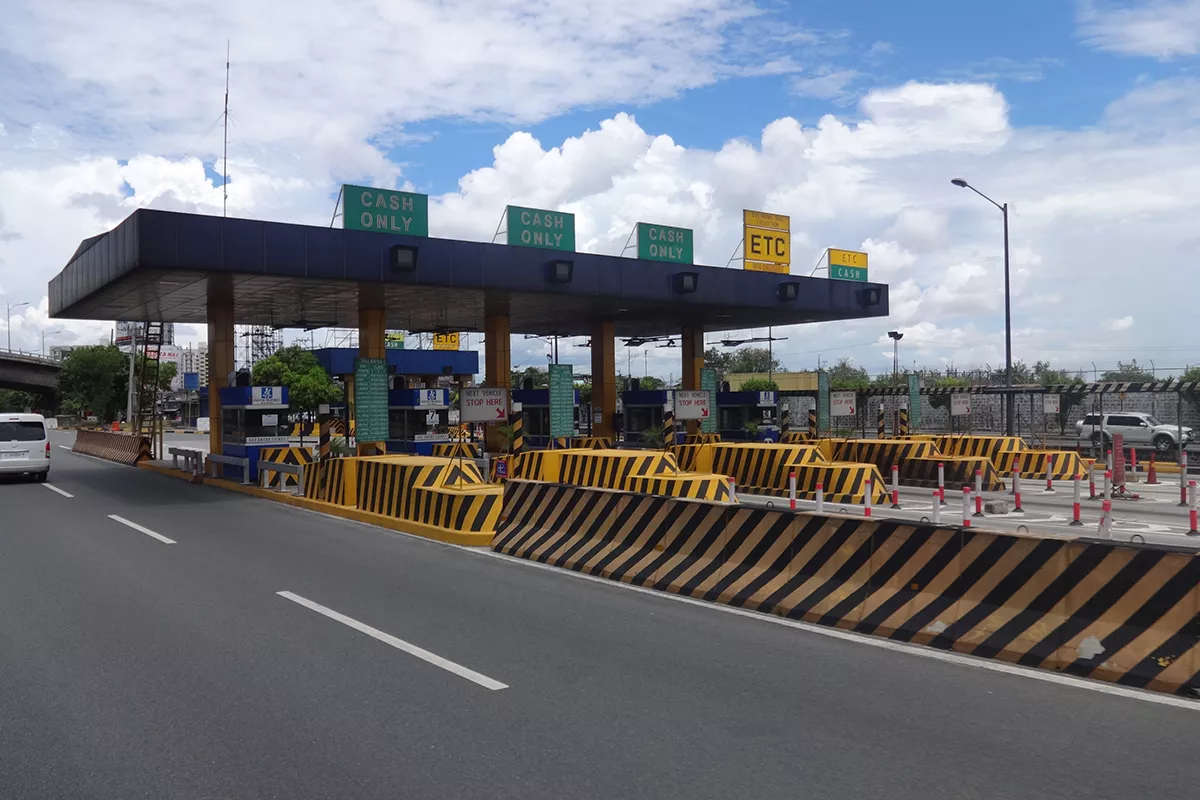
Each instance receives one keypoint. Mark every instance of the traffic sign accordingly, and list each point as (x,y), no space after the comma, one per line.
(536,227)
(445,341)
(664,243)
(844,404)
(1051,403)
(562,400)
(960,405)
(479,404)
(384,210)
(847,265)
(691,404)
(766,242)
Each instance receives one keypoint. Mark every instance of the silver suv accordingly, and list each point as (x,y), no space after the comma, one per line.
(1136,427)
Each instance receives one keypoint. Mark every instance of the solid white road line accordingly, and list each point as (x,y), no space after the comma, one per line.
(64,447)
(140,529)
(399,644)
(54,488)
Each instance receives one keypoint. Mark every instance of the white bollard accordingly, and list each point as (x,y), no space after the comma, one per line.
(937,508)
(1017,493)
(895,486)
(867,499)
(1192,510)
(732,491)
(942,483)
(1075,522)
(1106,519)
(1182,477)
(979,493)
(792,490)
(820,498)
(966,506)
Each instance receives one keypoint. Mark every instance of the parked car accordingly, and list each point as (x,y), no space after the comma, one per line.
(24,445)
(1136,427)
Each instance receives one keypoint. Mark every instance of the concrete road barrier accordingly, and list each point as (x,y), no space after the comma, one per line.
(123,448)
(1126,614)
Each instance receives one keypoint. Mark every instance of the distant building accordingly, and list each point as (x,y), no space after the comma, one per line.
(194,359)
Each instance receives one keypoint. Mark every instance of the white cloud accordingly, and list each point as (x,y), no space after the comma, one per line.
(1161,29)
(1122,324)
(826,83)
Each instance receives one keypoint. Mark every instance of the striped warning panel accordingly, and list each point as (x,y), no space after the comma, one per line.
(882,454)
(592,443)
(841,483)
(1093,609)
(326,481)
(283,455)
(312,429)
(456,450)
(693,457)
(959,472)
(610,469)
(796,437)
(528,465)
(701,438)
(1059,465)
(708,487)
(412,489)
(990,447)
(762,468)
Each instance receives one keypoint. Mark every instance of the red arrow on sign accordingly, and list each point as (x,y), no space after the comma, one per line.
(703,412)
(499,413)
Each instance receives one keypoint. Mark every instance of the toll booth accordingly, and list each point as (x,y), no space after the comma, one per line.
(643,409)
(739,412)
(252,417)
(535,415)
(417,420)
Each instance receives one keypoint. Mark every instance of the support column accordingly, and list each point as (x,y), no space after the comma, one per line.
(693,362)
(497,366)
(220,353)
(604,378)
(371,341)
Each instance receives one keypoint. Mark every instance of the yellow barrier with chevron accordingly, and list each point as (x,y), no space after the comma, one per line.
(1093,609)
(283,455)
(765,469)
(630,470)
(329,480)
(456,450)
(990,447)
(959,471)
(882,454)
(1058,465)
(796,437)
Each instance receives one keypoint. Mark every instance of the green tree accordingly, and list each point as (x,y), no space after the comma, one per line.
(166,373)
(719,361)
(96,379)
(1190,374)
(585,392)
(845,375)
(14,401)
(759,385)
(753,359)
(309,385)
(651,383)
(540,378)
(1127,372)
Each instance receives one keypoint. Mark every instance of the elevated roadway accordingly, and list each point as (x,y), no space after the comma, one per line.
(264,651)
(27,372)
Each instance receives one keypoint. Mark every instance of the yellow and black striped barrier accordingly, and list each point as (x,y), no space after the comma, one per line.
(456,450)
(1058,465)
(785,421)
(881,423)
(761,468)
(611,469)
(706,487)
(796,437)
(958,471)
(882,454)
(592,443)
(283,455)
(517,421)
(990,447)
(902,425)
(701,438)
(327,481)
(812,423)
(1088,608)
(324,441)
(668,428)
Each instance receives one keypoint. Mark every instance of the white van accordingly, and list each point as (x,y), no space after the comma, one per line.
(24,446)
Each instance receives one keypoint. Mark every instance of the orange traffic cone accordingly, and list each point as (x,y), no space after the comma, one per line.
(1152,474)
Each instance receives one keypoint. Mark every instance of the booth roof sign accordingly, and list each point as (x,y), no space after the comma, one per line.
(664,243)
(385,210)
(536,227)
(445,341)
(847,265)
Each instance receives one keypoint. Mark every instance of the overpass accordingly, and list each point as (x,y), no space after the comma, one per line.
(28,372)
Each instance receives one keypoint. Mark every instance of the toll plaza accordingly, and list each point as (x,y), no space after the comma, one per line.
(748,416)
(535,411)
(252,418)
(221,272)
(643,409)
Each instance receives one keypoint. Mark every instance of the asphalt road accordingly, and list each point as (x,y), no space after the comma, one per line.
(130,668)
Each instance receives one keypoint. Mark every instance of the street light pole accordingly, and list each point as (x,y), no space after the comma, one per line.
(8,320)
(1009,416)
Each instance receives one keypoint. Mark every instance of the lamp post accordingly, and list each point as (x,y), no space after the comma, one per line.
(1008,404)
(895,336)
(8,320)
(52,333)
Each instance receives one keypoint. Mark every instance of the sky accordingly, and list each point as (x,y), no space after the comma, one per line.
(1084,117)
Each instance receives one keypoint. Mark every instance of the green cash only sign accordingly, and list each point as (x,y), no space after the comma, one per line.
(536,227)
(370,400)
(914,402)
(562,400)
(385,211)
(664,243)
(708,383)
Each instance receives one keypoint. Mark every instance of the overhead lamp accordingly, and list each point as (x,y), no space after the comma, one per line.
(403,258)
(686,282)
(869,297)
(789,290)
(560,270)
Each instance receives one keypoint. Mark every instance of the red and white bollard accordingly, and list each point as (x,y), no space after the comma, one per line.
(1049,476)
(1075,508)
(1192,509)
(966,506)
(820,498)
(895,486)
(792,490)
(1092,482)
(732,490)
(1107,483)
(979,493)
(1108,461)
(1017,493)
(1106,519)
(941,483)
(936,517)
(1133,460)
(867,499)
(1182,477)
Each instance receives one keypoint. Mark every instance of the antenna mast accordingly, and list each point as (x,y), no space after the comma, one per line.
(225,156)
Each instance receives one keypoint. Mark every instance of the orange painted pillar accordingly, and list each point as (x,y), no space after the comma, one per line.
(604,379)
(220,353)
(693,362)
(497,366)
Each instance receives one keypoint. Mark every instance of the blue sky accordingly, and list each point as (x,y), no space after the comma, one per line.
(1083,115)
